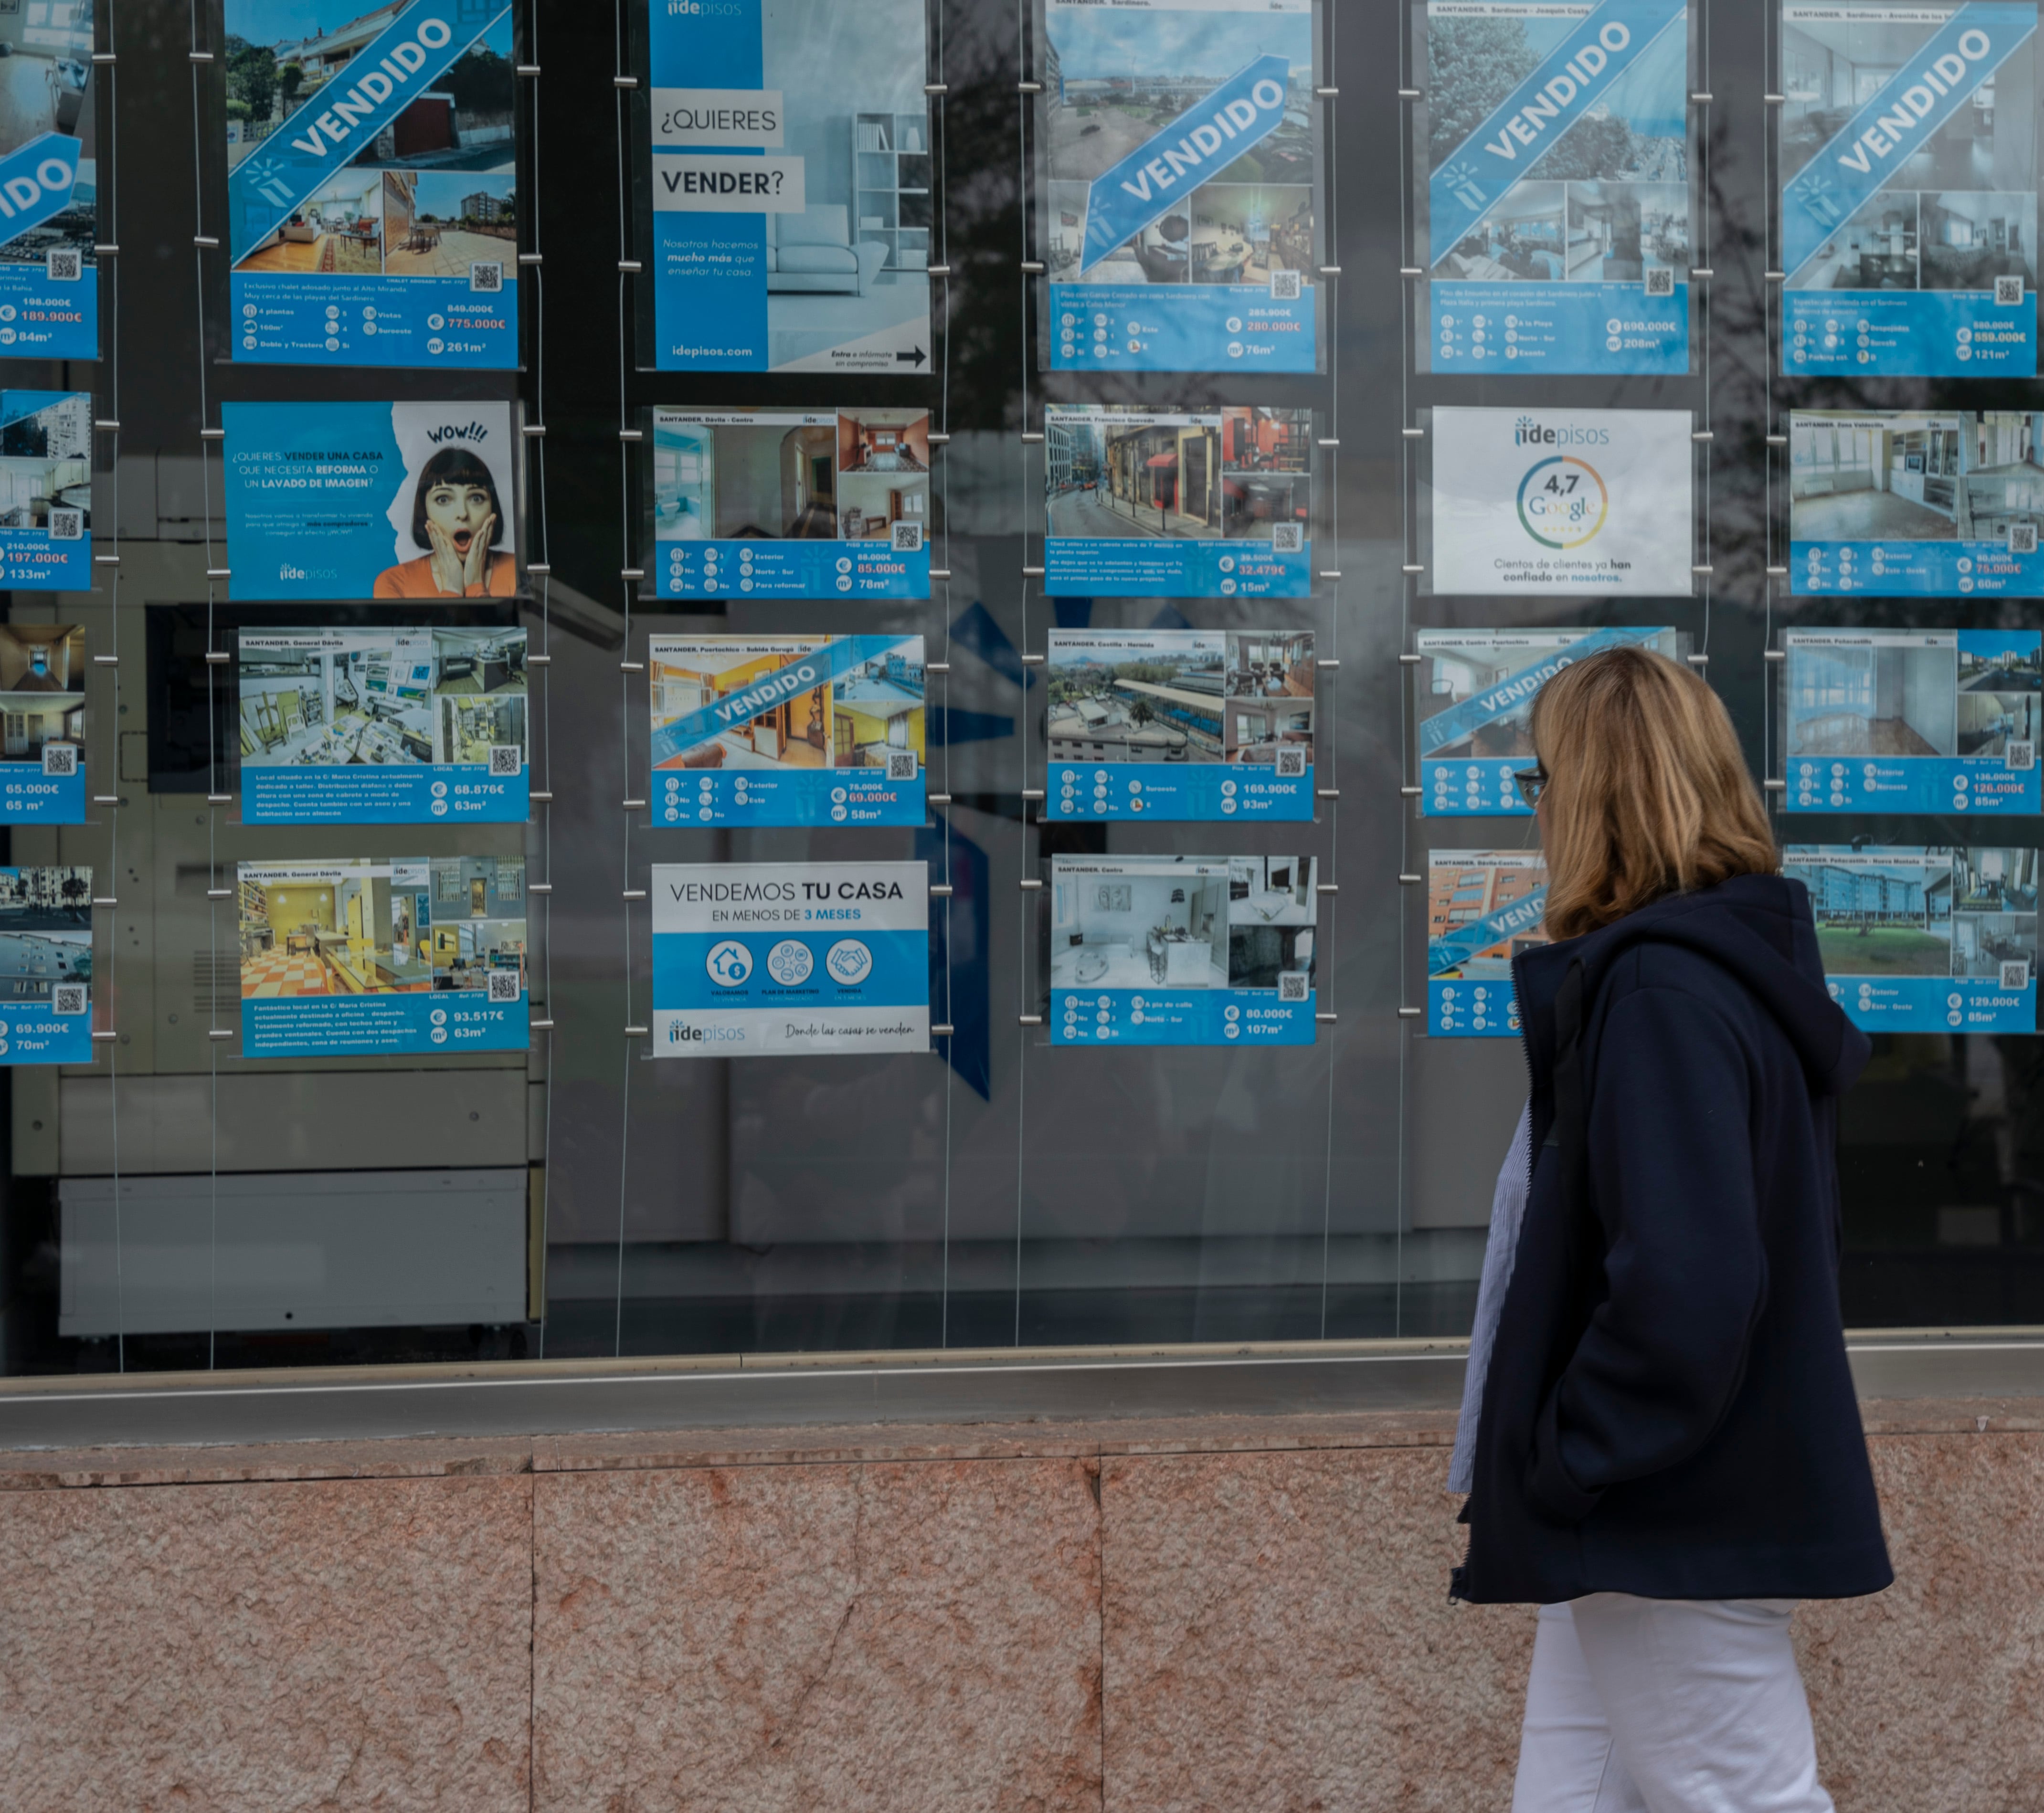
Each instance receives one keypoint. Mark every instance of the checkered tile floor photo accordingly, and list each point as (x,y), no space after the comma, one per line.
(276,973)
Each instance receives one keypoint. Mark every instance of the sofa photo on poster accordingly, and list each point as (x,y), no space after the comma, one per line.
(1483,907)
(42,707)
(349,500)
(793,185)
(49,262)
(45,966)
(372,200)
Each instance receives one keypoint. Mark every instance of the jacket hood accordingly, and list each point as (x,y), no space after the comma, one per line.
(1760,928)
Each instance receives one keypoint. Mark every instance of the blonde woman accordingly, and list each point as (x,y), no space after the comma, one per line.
(1660,1438)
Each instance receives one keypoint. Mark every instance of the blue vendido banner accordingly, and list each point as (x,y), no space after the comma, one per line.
(49,276)
(1481,906)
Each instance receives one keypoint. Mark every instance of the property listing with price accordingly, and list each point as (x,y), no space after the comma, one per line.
(1192,724)
(49,261)
(1925,938)
(397,726)
(1909,166)
(1557,207)
(1483,908)
(45,966)
(42,705)
(45,489)
(1179,221)
(790,503)
(378,955)
(372,202)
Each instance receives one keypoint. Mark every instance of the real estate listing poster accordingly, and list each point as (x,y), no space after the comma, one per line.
(45,966)
(372,204)
(341,501)
(45,484)
(1196,725)
(1909,188)
(1483,907)
(1936,504)
(787,729)
(1555,500)
(362,956)
(1911,720)
(1179,223)
(42,707)
(1477,689)
(49,264)
(791,503)
(1210,504)
(1182,950)
(766,959)
(1557,202)
(392,726)
(793,185)
(1918,939)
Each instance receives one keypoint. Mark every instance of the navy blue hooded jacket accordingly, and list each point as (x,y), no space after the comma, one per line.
(1668,1409)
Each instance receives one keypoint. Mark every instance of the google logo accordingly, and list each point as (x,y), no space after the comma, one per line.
(1562,502)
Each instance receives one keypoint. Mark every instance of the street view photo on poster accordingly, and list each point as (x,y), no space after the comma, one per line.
(407,725)
(1911,720)
(1925,938)
(347,500)
(1556,500)
(42,705)
(793,187)
(1181,950)
(790,503)
(49,220)
(45,490)
(1483,907)
(1908,161)
(759,730)
(1178,221)
(1557,205)
(1189,724)
(1201,504)
(46,966)
(770,959)
(372,202)
(1475,715)
(359,956)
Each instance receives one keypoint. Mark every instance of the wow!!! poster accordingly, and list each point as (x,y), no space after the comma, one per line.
(1558,204)
(1179,221)
(372,190)
(1909,189)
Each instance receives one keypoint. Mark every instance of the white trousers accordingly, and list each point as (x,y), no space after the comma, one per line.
(1666,1706)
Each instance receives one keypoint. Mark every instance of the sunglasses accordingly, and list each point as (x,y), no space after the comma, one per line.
(1532,783)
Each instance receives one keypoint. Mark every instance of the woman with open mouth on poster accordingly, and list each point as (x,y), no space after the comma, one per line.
(455,517)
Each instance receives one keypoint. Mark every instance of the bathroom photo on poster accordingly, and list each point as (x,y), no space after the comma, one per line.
(1483,907)
(1178,224)
(1556,202)
(372,199)
(46,966)
(792,184)
(349,501)
(42,709)
(49,262)
(1908,164)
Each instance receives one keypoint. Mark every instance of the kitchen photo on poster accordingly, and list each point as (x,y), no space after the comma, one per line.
(1205,504)
(372,202)
(759,730)
(1192,724)
(397,726)
(793,187)
(1549,501)
(769,959)
(1483,908)
(1908,159)
(1911,720)
(1558,201)
(1925,938)
(46,966)
(790,503)
(42,709)
(1477,689)
(45,489)
(49,264)
(346,501)
(360,956)
(1181,950)
(1178,222)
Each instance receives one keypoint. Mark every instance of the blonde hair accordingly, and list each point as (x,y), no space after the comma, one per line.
(1647,792)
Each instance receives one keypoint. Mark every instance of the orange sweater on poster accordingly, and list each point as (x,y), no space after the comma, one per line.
(415,580)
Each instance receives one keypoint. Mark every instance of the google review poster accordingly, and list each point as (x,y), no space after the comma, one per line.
(1558,204)
(379,955)
(793,185)
(45,966)
(1190,725)
(1908,158)
(1483,907)
(1178,226)
(372,200)
(396,726)
(1182,950)
(1918,939)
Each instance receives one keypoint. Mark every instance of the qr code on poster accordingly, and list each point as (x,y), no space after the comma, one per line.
(506,758)
(908,538)
(2022,538)
(503,984)
(1284,286)
(489,277)
(2022,756)
(60,758)
(1287,538)
(1291,764)
(2016,975)
(2008,291)
(1660,282)
(66,525)
(65,264)
(1292,986)
(901,765)
(69,997)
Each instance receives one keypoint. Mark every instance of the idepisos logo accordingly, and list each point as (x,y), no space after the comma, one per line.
(1562,500)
